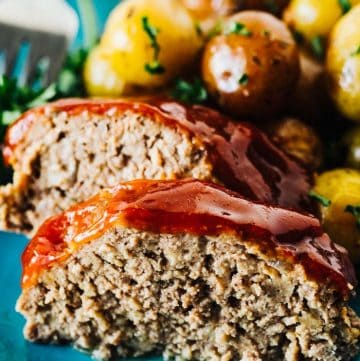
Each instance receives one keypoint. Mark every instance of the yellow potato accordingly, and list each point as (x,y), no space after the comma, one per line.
(313,18)
(343,64)
(173,49)
(99,76)
(342,188)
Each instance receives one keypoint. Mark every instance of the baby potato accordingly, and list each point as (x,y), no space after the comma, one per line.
(252,67)
(315,18)
(343,64)
(299,140)
(151,41)
(341,187)
(99,76)
(207,9)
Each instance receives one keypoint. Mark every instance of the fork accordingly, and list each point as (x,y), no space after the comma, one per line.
(34,33)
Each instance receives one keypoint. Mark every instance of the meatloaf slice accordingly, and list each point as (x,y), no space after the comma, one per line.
(67,151)
(192,270)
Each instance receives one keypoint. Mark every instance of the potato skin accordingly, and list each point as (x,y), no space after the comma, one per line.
(343,65)
(99,76)
(312,18)
(205,9)
(125,37)
(268,59)
(299,140)
(342,188)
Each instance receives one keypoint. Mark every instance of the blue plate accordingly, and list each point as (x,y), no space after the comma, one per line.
(13,347)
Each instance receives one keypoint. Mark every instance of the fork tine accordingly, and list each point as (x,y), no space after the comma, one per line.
(10,58)
(10,45)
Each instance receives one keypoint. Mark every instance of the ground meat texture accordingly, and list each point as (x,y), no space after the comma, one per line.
(67,151)
(188,297)
(68,159)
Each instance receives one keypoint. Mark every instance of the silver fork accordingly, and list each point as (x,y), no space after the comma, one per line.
(34,32)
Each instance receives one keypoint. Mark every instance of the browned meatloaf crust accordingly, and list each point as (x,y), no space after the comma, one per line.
(191,270)
(67,151)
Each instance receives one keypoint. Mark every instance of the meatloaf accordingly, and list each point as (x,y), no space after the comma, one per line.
(192,270)
(67,151)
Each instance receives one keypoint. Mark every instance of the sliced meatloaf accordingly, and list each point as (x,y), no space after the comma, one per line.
(191,270)
(67,151)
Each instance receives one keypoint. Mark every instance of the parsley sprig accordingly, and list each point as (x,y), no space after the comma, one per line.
(319,198)
(238,29)
(356,52)
(193,92)
(345,5)
(154,67)
(355,211)
(318,47)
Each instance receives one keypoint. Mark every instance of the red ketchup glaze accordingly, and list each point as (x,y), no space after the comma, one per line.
(196,207)
(244,158)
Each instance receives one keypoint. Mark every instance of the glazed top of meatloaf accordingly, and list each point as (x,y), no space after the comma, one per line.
(244,159)
(196,207)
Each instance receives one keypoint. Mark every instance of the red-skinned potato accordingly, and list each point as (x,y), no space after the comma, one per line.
(252,67)
(205,9)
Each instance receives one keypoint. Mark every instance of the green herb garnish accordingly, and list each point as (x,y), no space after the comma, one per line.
(239,29)
(190,92)
(244,79)
(318,48)
(215,30)
(356,52)
(198,29)
(345,5)
(321,199)
(355,211)
(154,67)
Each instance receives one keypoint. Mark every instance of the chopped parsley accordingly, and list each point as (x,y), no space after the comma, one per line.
(321,199)
(154,67)
(345,5)
(244,79)
(239,29)
(190,92)
(318,48)
(356,52)
(198,29)
(355,211)
(215,30)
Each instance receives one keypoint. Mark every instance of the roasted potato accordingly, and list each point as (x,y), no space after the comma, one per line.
(205,9)
(299,140)
(253,66)
(338,192)
(314,19)
(343,64)
(99,76)
(210,9)
(150,42)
